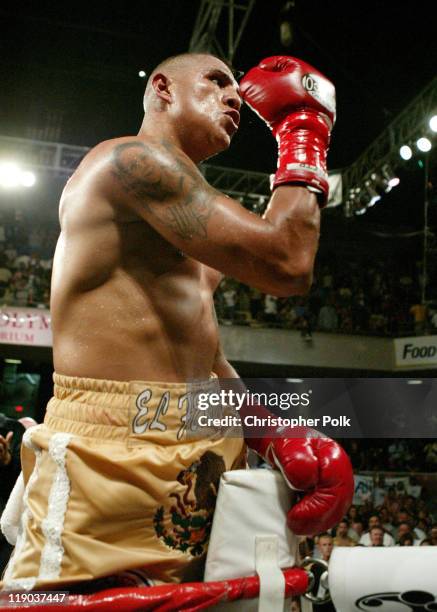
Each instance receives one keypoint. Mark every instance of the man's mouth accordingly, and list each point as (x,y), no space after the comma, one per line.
(234,116)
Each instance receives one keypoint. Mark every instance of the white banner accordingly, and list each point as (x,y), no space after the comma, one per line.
(26,326)
(363,490)
(416,351)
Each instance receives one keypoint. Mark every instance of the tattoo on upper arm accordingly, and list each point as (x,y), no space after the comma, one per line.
(171,191)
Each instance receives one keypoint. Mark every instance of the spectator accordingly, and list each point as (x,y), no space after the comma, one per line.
(230,301)
(374,521)
(433,535)
(426,542)
(325,545)
(353,513)
(341,535)
(405,522)
(407,539)
(21,262)
(270,309)
(430,451)
(418,312)
(256,303)
(423,525)
(385,521)
(376,536)
(356,530)
(303,320)
(328,317)
(379,492)
(5,274)
(11,433)
(244,305)
(10,252)
(404,529)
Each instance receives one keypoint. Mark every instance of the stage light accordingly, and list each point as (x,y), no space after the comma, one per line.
(28,179)
(390,179)
(142,74)
(433,123)
(9,175)
(12,176)
(424,145)
(361,201)
(406,152)
(374,195)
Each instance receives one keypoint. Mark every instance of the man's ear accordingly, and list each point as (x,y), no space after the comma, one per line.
(161,87)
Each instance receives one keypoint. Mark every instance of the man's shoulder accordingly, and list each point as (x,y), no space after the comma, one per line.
(114,167)
(139,146)
(109,150)
(140,159)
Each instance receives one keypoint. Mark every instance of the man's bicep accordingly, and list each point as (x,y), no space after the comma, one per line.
(166,189)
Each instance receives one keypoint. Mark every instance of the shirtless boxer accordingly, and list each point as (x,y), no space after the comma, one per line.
(112,484)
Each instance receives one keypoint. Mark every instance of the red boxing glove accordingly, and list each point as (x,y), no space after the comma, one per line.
(314,464)
(298,104)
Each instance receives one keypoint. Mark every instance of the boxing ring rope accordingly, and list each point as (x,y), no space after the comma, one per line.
(188,596)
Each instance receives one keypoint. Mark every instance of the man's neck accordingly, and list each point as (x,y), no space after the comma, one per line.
(155,128)
(158,128)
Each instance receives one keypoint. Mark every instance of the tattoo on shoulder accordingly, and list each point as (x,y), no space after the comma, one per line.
(165,184)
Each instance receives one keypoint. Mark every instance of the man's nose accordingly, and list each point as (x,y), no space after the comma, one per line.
(232,100)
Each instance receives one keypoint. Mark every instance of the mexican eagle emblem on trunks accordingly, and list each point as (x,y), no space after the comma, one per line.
(186,524)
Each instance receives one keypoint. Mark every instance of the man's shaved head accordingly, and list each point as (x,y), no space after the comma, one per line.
(176,62)
(172,67)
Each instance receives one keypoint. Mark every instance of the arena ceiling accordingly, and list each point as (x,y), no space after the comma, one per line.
(75,68)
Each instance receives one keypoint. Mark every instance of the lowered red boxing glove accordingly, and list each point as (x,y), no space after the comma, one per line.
(298,104)
(311,463)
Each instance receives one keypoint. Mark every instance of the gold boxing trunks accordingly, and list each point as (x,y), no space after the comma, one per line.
(113,485)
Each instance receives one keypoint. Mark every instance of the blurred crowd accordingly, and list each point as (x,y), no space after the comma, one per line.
(395,518)
(348,297)
(406,454)
(26,257)
(351,298)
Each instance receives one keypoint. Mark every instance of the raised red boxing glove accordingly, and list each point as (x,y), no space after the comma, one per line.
(298,104)
(313,464)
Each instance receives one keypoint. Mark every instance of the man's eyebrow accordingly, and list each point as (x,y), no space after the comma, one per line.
(230,79)
(222,72)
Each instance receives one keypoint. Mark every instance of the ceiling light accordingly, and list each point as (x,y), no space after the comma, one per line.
(424,145)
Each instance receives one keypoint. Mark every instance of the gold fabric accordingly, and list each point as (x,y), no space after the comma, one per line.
(113,485)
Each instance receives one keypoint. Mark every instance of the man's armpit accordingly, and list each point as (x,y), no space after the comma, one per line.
(165,186)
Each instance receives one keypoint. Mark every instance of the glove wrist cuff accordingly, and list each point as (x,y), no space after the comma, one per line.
(303,140)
